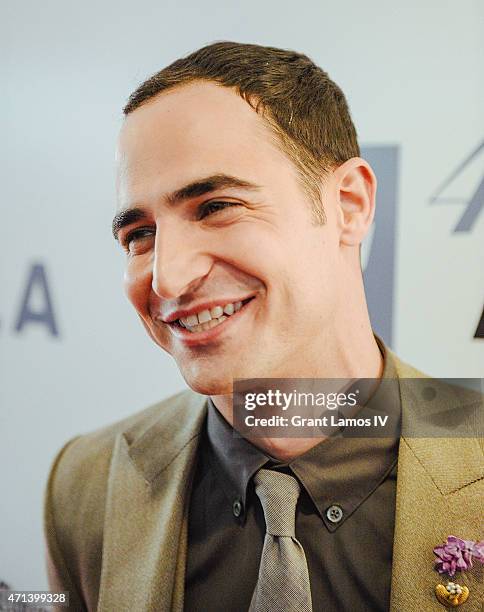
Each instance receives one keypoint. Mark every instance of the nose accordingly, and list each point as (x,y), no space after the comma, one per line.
(180,261)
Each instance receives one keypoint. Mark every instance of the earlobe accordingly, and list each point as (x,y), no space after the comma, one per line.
(356,189)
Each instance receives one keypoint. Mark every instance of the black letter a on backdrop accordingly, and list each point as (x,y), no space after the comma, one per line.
(44,314)
(480,328)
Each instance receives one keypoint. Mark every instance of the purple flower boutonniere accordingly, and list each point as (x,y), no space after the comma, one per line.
(457,555)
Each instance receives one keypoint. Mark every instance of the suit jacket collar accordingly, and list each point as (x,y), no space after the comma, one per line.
(440,455)
(154,445)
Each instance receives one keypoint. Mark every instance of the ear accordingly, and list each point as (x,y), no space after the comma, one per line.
(355,185)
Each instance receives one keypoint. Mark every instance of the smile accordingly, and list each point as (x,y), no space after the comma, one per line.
(208,319)
(199,334)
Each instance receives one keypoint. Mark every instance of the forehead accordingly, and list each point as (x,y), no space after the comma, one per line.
(194,130)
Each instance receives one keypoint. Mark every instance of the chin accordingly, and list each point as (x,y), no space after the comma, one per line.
(206,384)
(210,376)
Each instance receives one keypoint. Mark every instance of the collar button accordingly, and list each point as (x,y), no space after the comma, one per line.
(237,508)
(334,513)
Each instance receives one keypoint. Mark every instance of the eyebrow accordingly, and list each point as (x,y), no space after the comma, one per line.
(192,190)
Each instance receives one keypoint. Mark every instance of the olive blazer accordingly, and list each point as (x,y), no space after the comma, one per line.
(117,500)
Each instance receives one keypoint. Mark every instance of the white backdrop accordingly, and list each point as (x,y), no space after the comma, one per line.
(413,78)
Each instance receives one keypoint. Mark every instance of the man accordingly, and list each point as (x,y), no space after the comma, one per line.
(243,203)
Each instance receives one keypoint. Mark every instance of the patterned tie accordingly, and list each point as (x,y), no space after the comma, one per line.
(283,583)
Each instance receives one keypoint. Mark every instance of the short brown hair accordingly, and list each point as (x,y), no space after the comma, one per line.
(305,109)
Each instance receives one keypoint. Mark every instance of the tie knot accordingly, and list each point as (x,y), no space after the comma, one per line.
(278,494)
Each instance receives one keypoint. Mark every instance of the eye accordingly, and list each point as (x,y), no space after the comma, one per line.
(135,237)
(212,207)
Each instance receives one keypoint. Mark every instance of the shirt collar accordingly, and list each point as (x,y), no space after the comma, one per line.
(340,470)
(236,459)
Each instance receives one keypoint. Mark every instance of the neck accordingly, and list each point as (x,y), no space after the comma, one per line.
(358,357)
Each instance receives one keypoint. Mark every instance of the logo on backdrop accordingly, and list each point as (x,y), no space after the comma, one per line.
(464,186)
(36,307)
(378,252)
(459,187)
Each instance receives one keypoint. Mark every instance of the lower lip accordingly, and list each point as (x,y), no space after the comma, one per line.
(205,337)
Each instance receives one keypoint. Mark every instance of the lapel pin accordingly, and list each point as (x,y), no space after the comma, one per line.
(452,595)
(455,555)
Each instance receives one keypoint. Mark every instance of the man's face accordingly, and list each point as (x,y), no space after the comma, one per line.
(223,219)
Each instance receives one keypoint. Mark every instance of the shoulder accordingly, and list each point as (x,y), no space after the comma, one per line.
(442,427)
(79,474)
(451,405)
(86,458)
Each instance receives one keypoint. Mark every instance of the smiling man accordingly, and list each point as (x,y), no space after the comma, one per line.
(243,203)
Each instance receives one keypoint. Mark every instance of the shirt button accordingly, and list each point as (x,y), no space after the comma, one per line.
(334,513)
(237,508)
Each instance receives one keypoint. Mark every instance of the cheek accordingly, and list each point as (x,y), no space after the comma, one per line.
(137,286)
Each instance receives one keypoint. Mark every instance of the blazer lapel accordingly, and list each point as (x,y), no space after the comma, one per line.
(145,531)
(432,502)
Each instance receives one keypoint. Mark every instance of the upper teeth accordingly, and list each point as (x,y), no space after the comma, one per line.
(205,316)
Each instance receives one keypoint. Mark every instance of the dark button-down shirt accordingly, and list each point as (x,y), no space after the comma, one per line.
(344,520)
